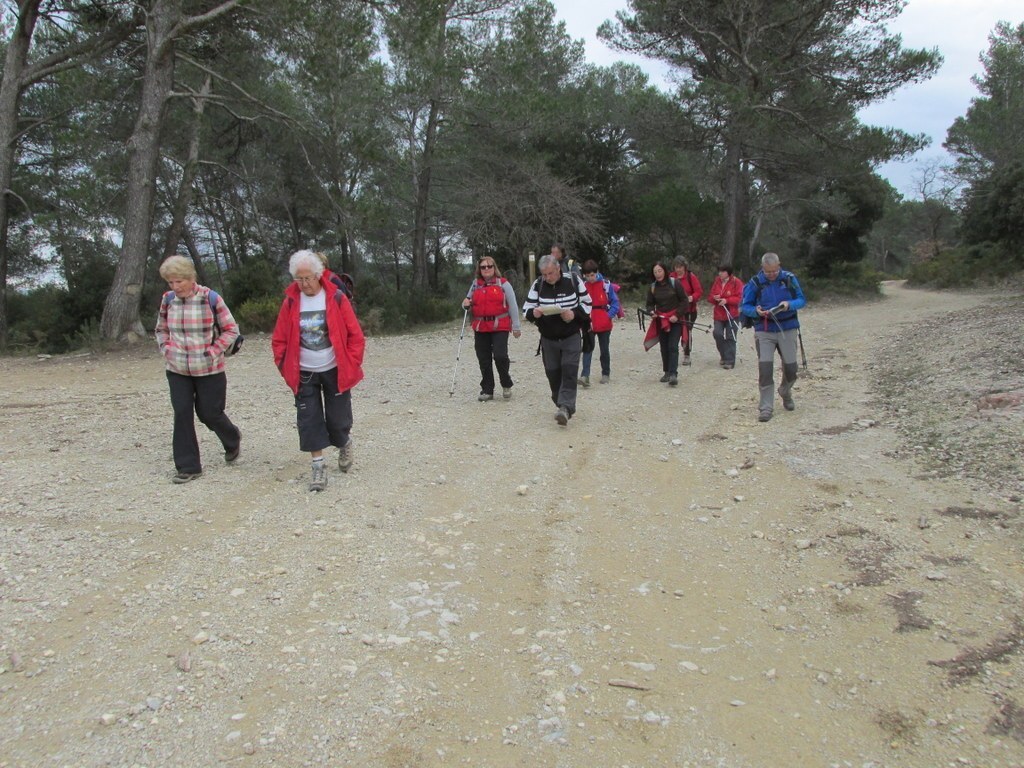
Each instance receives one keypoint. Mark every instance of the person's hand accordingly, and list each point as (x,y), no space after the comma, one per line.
(761,311)
(567,315)
(517,334)
(673,319)
(689,299)
(783,306)
(466,303)
(721,302)
(537,313)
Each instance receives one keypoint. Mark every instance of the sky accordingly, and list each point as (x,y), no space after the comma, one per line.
(958,28)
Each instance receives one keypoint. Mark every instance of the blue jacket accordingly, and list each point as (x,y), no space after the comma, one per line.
(760,292)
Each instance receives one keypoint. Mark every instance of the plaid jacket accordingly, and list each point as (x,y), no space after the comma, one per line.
(186,336)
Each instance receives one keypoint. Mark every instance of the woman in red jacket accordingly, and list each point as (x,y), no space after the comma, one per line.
(688,314)
(318,348)
(725,294)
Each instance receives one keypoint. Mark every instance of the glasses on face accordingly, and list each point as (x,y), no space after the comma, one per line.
(307,280)
(486,266)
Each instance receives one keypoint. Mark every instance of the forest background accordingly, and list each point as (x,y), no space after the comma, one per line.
(403,138)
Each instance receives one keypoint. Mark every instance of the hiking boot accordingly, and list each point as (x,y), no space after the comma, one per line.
(664,379)
(764,416)
(562,416)
(506,393)
(584,380)
(185,477)
(605,379)
(728,366)
(232,456)
(485,396)
(673,380)
(787,400)
(318,480)
(345,456)
(686,360)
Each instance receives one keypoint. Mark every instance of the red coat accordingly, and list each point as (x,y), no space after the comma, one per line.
(343,329)
(691,287)
(731,291)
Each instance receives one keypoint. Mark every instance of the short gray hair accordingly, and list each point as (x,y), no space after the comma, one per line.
(769,258)
(548,260)
(307,259)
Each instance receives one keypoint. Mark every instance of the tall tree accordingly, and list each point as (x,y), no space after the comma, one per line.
(991,135)
(166,23)
(752,68)
(94,28)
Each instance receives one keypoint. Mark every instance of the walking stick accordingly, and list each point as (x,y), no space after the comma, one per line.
(458,354)
(803,357)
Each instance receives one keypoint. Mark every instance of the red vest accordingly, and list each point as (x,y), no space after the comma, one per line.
(489,311)
(600,320)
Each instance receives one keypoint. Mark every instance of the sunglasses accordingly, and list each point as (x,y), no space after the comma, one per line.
(486,266)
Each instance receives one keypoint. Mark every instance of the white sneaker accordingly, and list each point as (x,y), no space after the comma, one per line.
(506,393)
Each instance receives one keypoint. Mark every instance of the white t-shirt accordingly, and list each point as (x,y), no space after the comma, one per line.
(315,350)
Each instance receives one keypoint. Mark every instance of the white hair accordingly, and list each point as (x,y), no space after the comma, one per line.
(307,259)
(547,260)
(769,258)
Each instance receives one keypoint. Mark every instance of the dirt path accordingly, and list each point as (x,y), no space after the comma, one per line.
(665,582)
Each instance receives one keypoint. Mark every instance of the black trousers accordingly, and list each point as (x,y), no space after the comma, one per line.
(206,397)
(492,346)
(323,415)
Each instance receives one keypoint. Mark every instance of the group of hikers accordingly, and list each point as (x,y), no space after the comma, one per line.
(318,344)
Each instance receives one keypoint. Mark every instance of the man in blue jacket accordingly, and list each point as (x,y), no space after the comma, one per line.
(771,300)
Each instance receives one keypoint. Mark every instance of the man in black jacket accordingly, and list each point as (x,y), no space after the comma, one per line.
(559,305)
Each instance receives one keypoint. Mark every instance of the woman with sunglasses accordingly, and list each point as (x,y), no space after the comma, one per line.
(495,314)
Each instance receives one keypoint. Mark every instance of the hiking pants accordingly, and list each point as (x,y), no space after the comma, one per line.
(606,359)
(669,342)
(725,340)
(206,397)
(686,321)
(767,342)
(561,364)
(488,346)
(322,413)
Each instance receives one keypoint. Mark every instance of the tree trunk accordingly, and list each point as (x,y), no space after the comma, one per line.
(121,309)
(732,195)
(420,271)
(183,201)
(10,97)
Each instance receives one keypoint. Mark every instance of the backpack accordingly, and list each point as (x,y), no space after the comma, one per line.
(347,285)
(748,322)
(212,297)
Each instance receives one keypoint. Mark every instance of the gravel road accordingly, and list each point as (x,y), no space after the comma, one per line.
(664,582)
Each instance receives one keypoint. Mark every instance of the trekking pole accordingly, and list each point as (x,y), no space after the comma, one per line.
(640,315)
(458,354)
(803,357)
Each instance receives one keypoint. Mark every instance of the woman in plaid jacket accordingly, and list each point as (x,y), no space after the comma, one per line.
(193,330)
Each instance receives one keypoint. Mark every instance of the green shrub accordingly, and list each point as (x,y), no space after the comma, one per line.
(845,279)
(965,265)
(257,314)
(255,279)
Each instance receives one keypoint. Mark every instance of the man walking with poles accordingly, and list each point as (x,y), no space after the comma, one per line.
(559,305)
(770,302)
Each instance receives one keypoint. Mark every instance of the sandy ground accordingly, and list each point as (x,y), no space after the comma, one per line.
(665,582)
